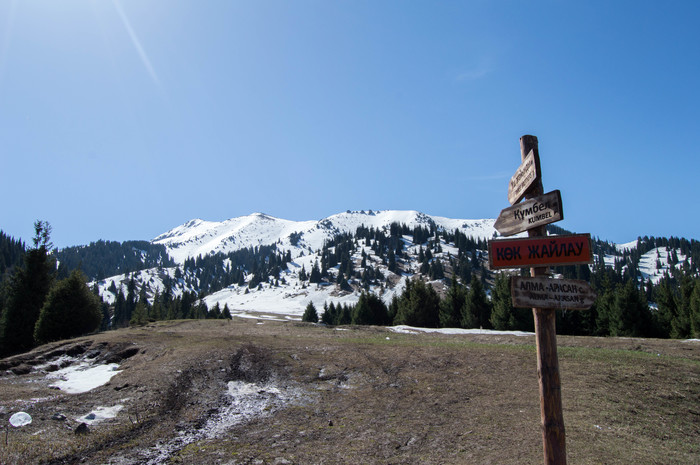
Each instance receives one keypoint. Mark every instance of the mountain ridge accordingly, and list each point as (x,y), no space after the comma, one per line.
(199,237)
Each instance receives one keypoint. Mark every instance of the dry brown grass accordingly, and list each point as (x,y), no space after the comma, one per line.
(370,396)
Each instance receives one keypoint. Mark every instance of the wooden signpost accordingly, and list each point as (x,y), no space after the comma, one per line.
(537,211)
(561,294)
(523,252)
(544,294)
(525,176)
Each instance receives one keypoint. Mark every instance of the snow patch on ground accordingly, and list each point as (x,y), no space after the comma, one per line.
(414,330)
(241,402)
(100,414)
(83,377)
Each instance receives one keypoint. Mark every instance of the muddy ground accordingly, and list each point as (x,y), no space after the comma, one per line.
(253,392)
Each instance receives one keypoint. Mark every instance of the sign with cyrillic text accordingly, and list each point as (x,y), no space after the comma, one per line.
(544,292)
(571,249)
(530,213)
(523,178)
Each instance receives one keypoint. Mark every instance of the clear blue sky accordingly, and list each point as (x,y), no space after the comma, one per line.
(120,119)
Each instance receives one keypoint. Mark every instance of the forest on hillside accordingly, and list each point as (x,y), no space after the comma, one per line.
(629,302)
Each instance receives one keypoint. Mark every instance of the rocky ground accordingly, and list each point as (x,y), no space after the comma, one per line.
(252,392)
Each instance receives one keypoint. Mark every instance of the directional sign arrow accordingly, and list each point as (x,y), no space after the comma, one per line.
(571,249)
(524,177)
(533,212)
(544,292)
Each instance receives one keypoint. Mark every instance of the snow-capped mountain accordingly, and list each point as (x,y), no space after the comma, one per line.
(199,237)
(264,265)
(303,241)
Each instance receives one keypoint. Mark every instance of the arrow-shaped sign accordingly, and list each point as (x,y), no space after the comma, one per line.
(530,213)
(524,177)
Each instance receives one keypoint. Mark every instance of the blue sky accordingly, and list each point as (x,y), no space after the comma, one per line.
(120,119)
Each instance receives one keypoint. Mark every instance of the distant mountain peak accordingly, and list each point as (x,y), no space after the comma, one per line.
(199,237)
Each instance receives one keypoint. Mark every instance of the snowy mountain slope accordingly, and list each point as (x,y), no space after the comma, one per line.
(293,248)
(653,264)
(303,240)
(199,237)
(657,262)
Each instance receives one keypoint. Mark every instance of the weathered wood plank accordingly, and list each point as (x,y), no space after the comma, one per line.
(531,213)
(525,176)
(560,294)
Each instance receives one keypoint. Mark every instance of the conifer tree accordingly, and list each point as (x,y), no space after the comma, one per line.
(503,314)
(325,317)
(71,310)
(226,313)
(666,309)
(344,314)
(119,320)
(131,298)
(451,305)
(680,325)
(477,309)
(603,308)
(630,315)
(139,316)
(315,276)
(695,310)
(310,314)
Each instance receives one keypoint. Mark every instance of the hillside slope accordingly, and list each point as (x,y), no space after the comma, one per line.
(241,392)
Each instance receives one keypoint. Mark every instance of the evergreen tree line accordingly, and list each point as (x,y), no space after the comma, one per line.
(11,252)
(389,250)
(249,266)
(37,307)
(620,310)
(103,259)
(418,305)
(135,308)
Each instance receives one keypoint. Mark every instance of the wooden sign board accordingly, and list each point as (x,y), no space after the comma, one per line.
(571,249)
(533,212)
(544,292)
(523,179)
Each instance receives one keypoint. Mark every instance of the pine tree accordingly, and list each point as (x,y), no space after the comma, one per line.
(503,314)
(630,314)
(666,309)
(139,317)
(131,299)
(119,320)
(71,310)
(451,305)
(477,309)
(695,310)
(602,307)
(680,325)
(315,276)
(310,314)
(226,313)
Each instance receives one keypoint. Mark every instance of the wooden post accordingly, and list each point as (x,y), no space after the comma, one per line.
(553,436)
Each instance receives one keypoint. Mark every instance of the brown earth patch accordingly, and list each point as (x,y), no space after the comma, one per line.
(361,395)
